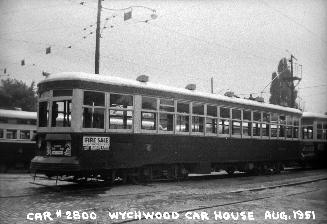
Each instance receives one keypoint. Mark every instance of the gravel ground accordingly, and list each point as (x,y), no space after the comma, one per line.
(194,201)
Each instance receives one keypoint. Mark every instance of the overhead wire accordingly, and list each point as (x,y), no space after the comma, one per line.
(294,21)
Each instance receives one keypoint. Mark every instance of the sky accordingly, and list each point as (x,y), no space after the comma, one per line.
(237,42)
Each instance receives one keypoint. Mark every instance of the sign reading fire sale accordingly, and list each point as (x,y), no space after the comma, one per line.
(96,143)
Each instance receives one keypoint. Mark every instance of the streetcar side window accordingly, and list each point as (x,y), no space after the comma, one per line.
(166,122)
(11,134)
(319,130)
(148,120)
(307,132)
(93,98)
(93,109)
(211,111)
(149,103)
(289,126)
(182,117)
(1,133)
(61,113)
(224,123)
(281,126)
(121,111)
(43,114)
(247,124)
(223,126)
(182,123)
(197,117)
(149,113)
(166,115)
(183,107)
(25,134)
(121,101)
(211,125)
(224,112)
(93,117)
(211,119)
(273,125)
(256,126)
(265,126)
(236,121)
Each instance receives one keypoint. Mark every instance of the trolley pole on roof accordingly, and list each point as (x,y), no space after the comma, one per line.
(97,39)
(211,84)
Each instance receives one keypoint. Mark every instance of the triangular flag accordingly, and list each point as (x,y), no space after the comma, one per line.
(127,15)
(48,50)
(22,63)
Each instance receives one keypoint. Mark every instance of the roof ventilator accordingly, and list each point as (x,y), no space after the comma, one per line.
(143,78)
(191,87)
(259,99)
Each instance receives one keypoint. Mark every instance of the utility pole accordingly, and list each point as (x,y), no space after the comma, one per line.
(292,79)
(212,85)
(292,83)
(97,39)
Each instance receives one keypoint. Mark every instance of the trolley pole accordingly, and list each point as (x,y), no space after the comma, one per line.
(212,85)
(97,39)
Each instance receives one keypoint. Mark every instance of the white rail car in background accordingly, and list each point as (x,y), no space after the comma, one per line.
(17,146)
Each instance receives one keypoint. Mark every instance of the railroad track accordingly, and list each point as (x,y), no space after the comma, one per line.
(94,186)
(241,201)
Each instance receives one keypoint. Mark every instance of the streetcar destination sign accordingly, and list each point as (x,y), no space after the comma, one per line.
(96,143)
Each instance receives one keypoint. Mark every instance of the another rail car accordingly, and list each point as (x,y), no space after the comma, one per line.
(314,135)
(104,126)
(17,148)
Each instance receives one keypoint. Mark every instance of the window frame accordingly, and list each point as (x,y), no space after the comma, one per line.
(197,116)
(183,114)
(216,118)
(173,113)
(249,121)
(265,122)
(259,122)
(239,120)
(153,111)
(90,129)
(108,108)
(224,119)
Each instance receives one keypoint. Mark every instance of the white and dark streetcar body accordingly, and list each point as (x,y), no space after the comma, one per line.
(101,126)
(314,131)
(17,146)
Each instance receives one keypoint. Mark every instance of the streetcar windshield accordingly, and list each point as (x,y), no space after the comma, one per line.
(61,113)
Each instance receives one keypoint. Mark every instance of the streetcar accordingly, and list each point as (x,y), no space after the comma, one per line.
(314,137)
(107,127)
(17,146)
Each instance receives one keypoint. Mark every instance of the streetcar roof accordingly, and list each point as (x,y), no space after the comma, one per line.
(81,76)
(17,114)
(313,115)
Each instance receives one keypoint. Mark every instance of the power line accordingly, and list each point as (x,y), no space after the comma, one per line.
(294,21)
(210,43)
(309,87)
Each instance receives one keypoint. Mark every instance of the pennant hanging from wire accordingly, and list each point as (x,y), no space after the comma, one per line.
(5,71)
(45,74)
(22,62)
(48,50)
(127,15)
